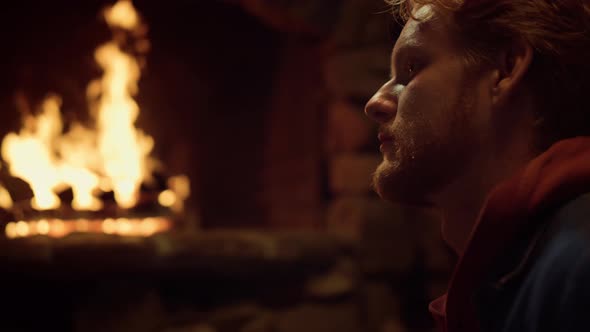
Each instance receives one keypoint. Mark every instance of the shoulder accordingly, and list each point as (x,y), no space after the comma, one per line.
(555,294)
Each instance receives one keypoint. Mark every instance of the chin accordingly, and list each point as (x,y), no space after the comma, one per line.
(401,185)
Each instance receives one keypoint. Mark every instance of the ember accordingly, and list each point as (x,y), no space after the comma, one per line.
(60,228)
(109,156)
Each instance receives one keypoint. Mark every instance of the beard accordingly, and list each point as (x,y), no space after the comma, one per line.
(410,171)
(426,155)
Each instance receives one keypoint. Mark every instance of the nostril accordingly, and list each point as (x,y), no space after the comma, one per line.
(380,110)
(381,116)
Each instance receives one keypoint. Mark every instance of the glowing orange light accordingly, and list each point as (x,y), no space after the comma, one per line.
(108,155)
(10,230)
(59,228)
(109,226)
(167,198)
(43,227)
(22,228)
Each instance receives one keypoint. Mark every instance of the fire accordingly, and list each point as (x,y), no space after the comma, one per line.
(5,199)
(123,15)
(110,155)
(123,148)
(30,156)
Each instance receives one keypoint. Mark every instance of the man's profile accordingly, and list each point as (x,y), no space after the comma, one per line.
(486,117)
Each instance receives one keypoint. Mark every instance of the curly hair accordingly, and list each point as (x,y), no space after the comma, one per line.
(559,33)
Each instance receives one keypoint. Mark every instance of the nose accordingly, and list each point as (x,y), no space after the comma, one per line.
(382,107)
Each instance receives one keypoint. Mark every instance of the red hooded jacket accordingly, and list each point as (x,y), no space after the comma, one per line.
(546,184)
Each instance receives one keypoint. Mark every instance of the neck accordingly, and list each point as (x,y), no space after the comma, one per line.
(461,202)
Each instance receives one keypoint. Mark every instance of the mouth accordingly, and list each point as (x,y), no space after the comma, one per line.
(386,141)
(383,137)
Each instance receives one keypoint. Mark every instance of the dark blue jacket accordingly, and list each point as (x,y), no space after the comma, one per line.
(545,285)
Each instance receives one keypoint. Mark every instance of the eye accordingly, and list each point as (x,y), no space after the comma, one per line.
(411,69)
(407,72)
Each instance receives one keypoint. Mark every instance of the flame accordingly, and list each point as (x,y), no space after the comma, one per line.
(5,199)
(167,198)
(175,196)
(111,155)
(123,148)
(123,15)
(30,154)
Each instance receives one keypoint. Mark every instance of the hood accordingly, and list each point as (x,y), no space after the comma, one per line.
(555,177)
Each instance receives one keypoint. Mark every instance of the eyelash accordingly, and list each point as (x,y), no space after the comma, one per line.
(412,68)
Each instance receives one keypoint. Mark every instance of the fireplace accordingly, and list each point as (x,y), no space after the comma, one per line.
(249,207)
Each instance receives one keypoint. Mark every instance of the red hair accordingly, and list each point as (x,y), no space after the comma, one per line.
(558,32)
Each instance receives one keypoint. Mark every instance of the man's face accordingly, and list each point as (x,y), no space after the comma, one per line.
(433,113)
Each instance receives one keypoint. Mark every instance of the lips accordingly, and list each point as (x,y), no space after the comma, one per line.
(386,142)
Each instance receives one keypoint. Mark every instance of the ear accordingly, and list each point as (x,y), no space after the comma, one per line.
(512,65)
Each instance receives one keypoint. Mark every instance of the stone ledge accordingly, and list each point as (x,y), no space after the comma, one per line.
(232,253)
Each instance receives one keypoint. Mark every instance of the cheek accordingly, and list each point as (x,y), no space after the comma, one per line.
(427,103)
(482,103)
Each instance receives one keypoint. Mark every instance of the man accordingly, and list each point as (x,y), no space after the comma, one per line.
(485,118)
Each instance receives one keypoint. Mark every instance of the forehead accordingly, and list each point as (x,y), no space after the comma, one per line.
(430,29)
